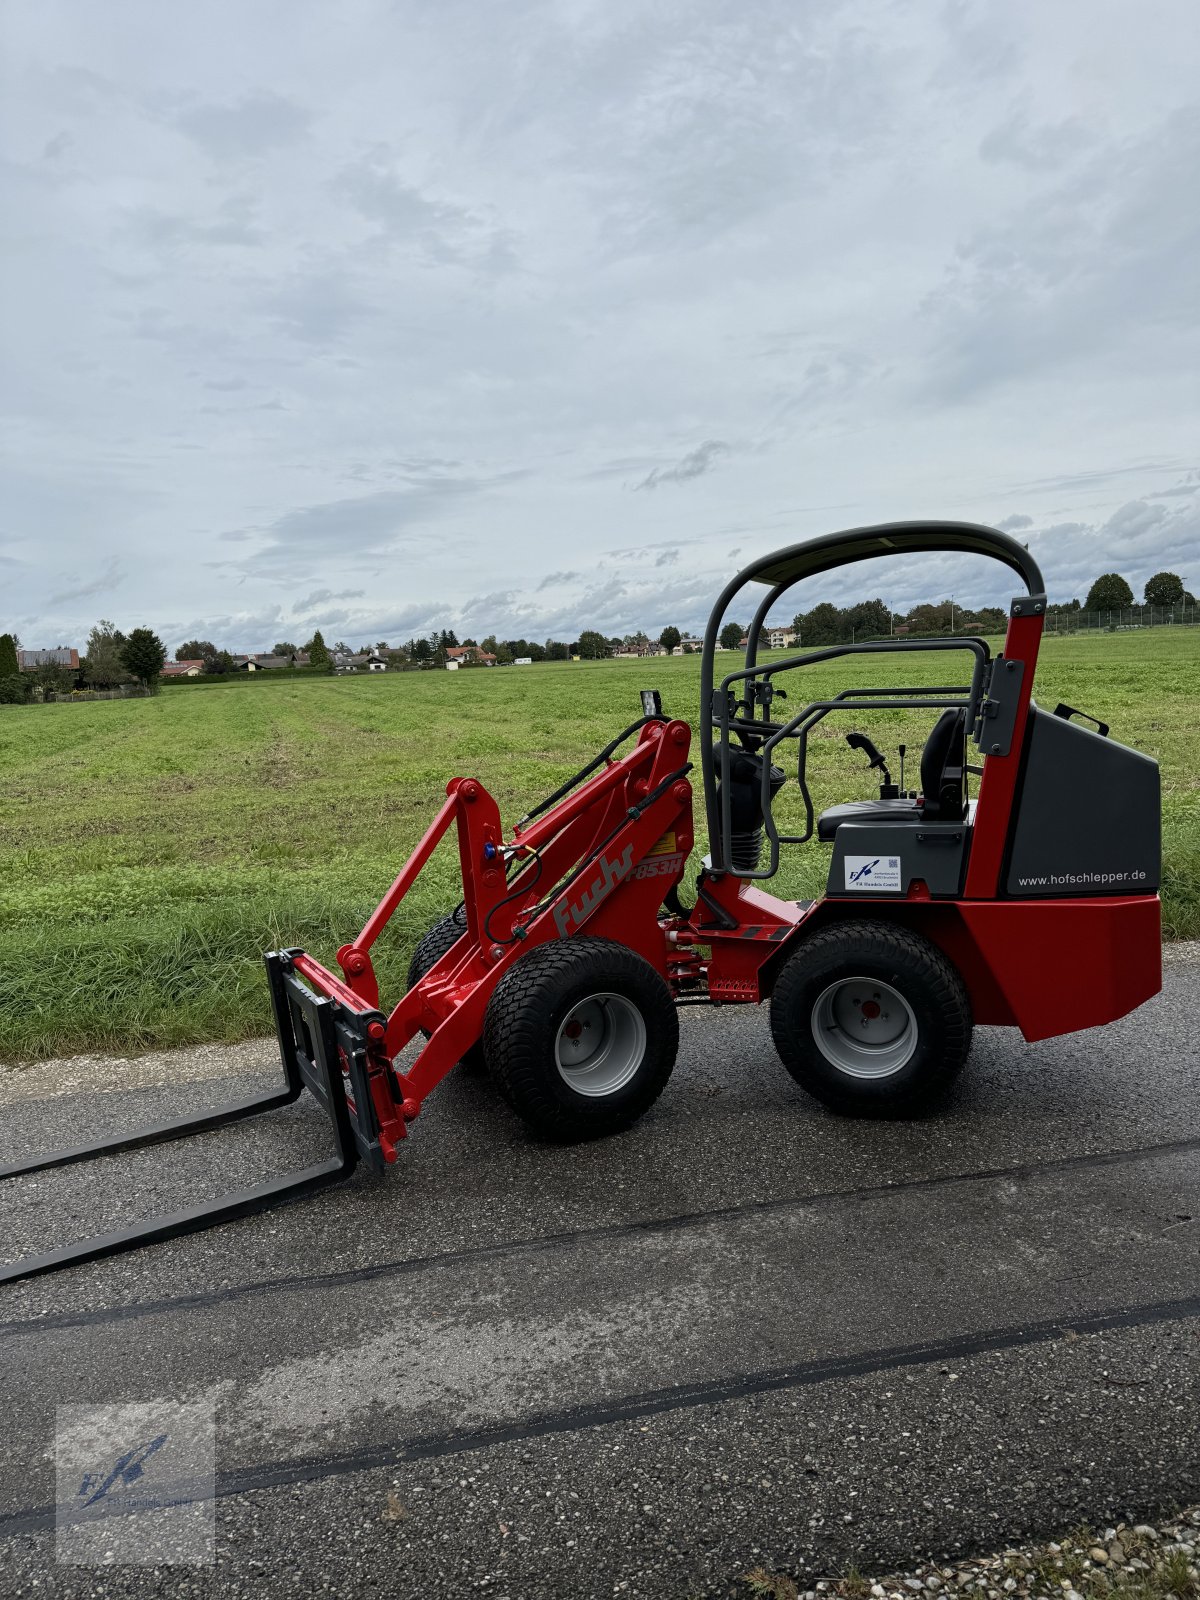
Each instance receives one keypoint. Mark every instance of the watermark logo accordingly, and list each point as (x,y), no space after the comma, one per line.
(127,1469)
(135,1483)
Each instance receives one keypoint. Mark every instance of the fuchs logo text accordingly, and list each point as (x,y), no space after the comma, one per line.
(570,914)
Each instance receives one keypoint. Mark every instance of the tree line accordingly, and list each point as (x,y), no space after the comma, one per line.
(113,658)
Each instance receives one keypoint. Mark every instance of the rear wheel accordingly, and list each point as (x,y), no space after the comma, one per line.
(581,1036)
(431,947)
(871,1019)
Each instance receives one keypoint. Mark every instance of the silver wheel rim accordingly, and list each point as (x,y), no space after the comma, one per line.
(600,1044)
(864,1028)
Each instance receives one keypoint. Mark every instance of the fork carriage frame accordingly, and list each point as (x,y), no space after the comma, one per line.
(604,852)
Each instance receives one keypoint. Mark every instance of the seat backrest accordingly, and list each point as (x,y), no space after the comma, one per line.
(942,762)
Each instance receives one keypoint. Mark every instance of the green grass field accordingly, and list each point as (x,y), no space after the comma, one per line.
(153,848)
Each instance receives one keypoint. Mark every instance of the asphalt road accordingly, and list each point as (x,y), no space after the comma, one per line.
(746,1333)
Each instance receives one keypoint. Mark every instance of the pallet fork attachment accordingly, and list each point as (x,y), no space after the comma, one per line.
(323,1048)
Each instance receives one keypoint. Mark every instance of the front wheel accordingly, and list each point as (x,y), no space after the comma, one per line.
(871,1019)
(581,1036)
(436,942)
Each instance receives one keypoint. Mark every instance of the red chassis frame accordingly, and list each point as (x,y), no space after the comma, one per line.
(618,844)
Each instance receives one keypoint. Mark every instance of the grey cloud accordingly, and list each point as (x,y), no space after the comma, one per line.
(1094,478)
(666,558)
(249,631)
(320,597)
(830,376)
(319,308)
(1109,247)
(440,230)
(979,46)
(111,578)
(1187,486)
(1014,523)
(1037,148)
(370,519)
(620,468)
(233,221)
(693,465)
(554,578)
(1135,519)
(257,123)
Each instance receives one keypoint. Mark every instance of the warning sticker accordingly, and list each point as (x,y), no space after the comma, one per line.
(873,872)
(665,846)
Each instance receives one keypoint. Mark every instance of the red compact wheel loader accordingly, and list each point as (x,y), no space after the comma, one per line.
(1032,904)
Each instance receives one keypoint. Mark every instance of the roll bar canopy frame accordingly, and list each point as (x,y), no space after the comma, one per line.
(783,569)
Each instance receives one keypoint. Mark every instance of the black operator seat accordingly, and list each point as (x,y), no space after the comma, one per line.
(943,794)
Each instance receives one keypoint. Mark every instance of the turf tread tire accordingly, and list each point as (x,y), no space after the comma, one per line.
(918,970)
(522,1021)
(431,947)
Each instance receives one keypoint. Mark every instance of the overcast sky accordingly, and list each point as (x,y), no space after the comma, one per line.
(526,318)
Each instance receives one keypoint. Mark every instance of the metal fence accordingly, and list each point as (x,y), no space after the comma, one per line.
(1182,615)
(124,691)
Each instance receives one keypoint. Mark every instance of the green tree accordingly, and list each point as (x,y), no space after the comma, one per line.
(821,625)
(318,656)
(869,619)
(593,646)
(220,663)
(143,655)
(669,639)
(1164,589)
(929,617)
(104,664)
(197,650)
(54,678)
(14,689)
(284,649)
(489,645)
(557,651)
(732,635)
(1109,593)
(422,652)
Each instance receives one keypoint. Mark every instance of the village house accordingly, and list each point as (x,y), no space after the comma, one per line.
(469,655)
(182,669)
(31,660)
(267,663)
(780,638)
